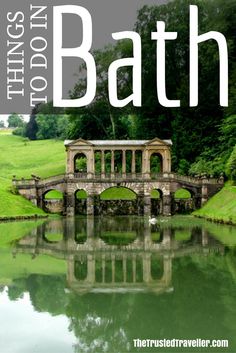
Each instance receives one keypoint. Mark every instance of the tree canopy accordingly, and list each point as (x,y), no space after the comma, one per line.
(203,137)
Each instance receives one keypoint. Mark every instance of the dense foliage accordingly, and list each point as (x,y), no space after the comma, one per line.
(203,137)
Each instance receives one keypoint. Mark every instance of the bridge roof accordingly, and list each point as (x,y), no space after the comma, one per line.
(118,142)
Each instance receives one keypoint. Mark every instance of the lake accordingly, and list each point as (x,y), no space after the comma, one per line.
(90,284)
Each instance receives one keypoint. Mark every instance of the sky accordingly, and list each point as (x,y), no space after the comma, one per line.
(108,16)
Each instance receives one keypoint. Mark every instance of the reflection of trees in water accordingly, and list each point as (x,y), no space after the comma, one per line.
(17,289)
(47,293)
(202,303)
(101,325)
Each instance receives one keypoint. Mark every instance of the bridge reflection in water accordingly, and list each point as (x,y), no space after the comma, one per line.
(108,255)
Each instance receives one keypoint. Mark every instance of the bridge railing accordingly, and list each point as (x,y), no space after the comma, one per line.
(24,182)
(52,179)
(116,177)
(37,180)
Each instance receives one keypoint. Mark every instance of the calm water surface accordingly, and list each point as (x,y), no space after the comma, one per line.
(95,284)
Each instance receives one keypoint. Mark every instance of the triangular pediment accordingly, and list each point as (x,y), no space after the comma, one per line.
(158,142)
(79,142)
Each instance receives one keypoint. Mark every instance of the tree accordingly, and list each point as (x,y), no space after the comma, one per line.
(15,120)
(32,127)
(100,115)
(231,165)
(2,124)
(52,122)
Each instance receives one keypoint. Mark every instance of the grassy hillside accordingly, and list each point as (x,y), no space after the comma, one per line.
(221,207)
(22,158)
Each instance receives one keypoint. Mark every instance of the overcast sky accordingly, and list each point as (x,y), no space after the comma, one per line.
(108,16)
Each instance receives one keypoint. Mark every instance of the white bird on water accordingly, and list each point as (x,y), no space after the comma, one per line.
(152,220)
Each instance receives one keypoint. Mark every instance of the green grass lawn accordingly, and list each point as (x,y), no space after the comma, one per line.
(6,131)
(221,207)
(22,158)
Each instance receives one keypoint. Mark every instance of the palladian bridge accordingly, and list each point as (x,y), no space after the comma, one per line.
(141,166)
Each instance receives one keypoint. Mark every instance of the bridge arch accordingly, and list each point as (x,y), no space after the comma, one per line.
(118,200)
(80,197)
(184,199)
(81,269)
(53,200)
(156,201)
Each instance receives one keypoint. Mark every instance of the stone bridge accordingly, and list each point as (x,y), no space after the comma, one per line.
(140,166)
(96,266)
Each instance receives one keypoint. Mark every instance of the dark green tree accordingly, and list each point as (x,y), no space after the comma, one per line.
(32,126)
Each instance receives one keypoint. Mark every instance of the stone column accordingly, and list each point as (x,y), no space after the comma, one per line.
(70,168)
(204,198)
(205,237)
(70,276)
(90,205)
(70,204)
(147,205)
(90,164)
(103,171)
(161,203)
(165,167)
(133,167)
(146,268)
(69,232)
(90,269)
(112,164)
(147,236)
(113,268)
(134,268)
(90,227)
(124,268)
(103,268)
(167,203)
(167,235)
(124,163)
(140,204)
(40,201)
(167,264)
(145,166)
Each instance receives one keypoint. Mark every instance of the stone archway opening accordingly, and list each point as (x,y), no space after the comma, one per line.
(52,238)
(156,164)
(80,163)
(81,202)
(157,267)
(156,202)
(183,201)
(118,200)
(53,201)
(81,268)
